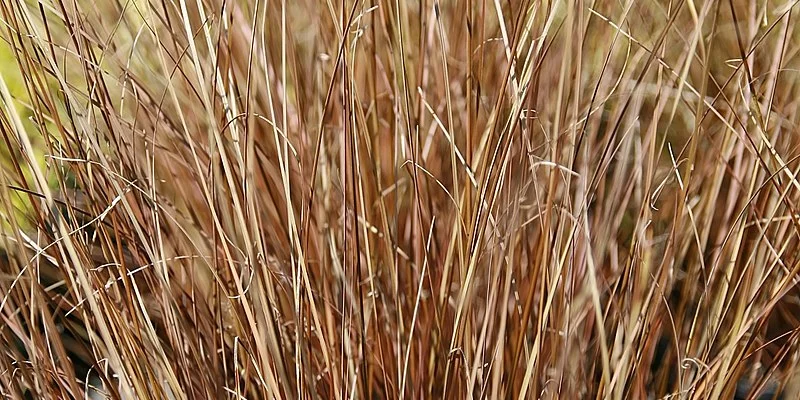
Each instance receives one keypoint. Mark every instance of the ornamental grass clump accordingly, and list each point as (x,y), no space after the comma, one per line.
(399,199)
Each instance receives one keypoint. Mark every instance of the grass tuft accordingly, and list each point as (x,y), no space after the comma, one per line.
(399,199)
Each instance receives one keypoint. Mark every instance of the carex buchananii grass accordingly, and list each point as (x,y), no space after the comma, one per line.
(399,199)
